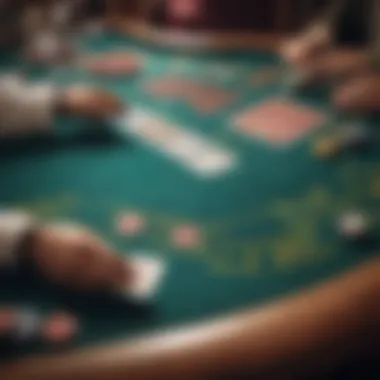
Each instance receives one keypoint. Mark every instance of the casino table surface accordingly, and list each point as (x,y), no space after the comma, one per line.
(268,226)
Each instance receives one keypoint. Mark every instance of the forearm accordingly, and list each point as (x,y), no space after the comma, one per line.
(16,227)
(326,20)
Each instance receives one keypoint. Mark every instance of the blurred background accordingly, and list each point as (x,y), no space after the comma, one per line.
(272,16)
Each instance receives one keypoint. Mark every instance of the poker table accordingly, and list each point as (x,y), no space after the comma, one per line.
(269,286)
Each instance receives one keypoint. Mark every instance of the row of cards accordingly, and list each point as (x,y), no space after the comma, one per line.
(190,149)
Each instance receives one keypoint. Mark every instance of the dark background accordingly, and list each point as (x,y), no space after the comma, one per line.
(260,15)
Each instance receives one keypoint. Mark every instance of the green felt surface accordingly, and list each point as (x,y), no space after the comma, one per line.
(269,226)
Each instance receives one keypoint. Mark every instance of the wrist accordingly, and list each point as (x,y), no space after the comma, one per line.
(62,104)
(27,248)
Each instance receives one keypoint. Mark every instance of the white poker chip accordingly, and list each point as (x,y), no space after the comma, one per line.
(148,273)
(28,328)
(354,224)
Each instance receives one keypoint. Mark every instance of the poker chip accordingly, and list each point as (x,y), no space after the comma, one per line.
(116,64)
(60,328)
(7,318)
(186,237)
(27,326)
(354,225)
(131,224)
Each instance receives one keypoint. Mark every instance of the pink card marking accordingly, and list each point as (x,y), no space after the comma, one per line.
(278,122)
(212,100)
(202,97)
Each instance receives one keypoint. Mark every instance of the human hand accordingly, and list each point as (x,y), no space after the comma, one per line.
(89,102)
(76,258)
(300,50)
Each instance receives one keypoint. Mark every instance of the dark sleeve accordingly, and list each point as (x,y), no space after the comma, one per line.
(353,24)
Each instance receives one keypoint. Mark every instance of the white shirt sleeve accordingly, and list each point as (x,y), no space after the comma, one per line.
(24,107)
(13,226)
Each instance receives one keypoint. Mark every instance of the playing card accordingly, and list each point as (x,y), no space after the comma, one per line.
(277,121)
(148,273)
(214,163)
(186,147)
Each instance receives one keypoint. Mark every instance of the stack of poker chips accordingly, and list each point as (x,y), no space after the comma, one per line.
(22,329)
(28,327)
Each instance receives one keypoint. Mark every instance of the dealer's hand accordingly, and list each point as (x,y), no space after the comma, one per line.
(301,50)
(89,102)
(76,258)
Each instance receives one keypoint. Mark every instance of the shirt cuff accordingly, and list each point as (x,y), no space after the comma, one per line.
(13,227)
(41,105)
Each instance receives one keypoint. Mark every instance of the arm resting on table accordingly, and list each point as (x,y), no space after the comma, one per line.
(320,328)
(14,227)
(26,108)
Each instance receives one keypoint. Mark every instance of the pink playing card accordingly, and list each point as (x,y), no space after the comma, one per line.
(278,121)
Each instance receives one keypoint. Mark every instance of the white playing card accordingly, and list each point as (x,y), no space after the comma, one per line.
(148,272)
(184,147)
(214,163)
(189,148)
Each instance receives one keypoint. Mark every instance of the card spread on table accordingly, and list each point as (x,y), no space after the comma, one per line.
(192,150)
(148,273)
(278,121)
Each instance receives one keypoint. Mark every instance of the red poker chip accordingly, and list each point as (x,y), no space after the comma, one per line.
(131,224)
(60,328)
(7,320)
(186,237)
(114,64)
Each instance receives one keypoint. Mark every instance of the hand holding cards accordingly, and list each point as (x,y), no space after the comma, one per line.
(89,102)
(73,257)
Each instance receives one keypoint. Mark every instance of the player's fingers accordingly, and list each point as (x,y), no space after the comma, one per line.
(361,94)
(120,274)
(301,52)
(89,280)
(293,52)
(99,273)
(7,318)
(341,63)
(112,105)
(103,105)
(58,269)
(75,266)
